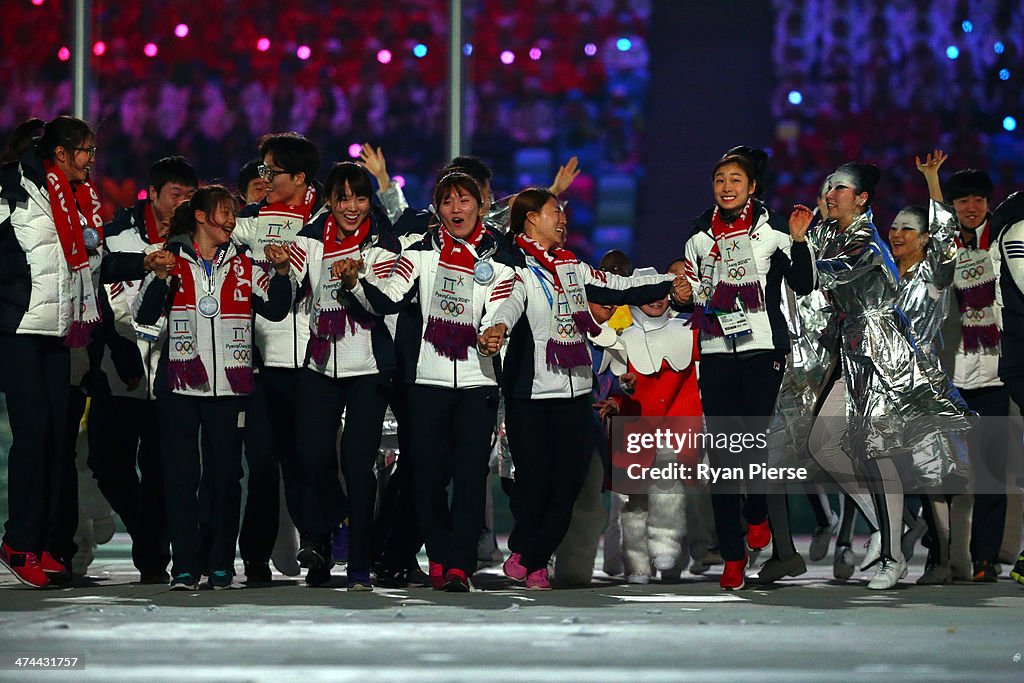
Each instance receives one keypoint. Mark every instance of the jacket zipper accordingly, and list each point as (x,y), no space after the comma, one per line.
(213,337)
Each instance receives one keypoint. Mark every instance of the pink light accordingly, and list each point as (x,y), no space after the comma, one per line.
(64,54)
(150,50)
(98,48)
(399,180)
(142,195)
(535,53)
(303,52)
(507,57)
(263,44)
(384,56)
(37,3)
(354,150)
(181,30)
(590,49)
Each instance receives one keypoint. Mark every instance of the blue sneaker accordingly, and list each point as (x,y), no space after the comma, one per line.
(220,579)
(184,582)
(339,544)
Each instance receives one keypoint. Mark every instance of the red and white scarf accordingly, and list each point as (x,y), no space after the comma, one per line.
(450,326)
(152,228)
(975,284)
(570,316)
(719,287)
(330,318)
(66,202)
(280,222)
(233,326)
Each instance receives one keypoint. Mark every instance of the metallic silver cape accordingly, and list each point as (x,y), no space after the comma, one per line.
(897,397)
(924,291)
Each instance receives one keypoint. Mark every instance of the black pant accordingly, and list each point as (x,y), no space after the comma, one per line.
(451,441)
(363,399)
(215,476)
(123,433)
(270,439)
(738,395)
(35,373)
(551,447)
(396,533)
(988,444)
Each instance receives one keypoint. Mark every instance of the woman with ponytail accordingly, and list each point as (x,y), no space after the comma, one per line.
(461,277)
(205,373)
(548,374)
(350,360)
(51,246)
(736,259)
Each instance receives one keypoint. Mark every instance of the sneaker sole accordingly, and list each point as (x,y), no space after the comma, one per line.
(25,581)
(740,587)
(180,588)
(360,587)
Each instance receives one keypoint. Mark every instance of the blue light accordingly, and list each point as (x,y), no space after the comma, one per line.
(795,97)
(623,44)
(1010,123)
(467,49)
(952,52)
(967,26)
(420,50)
(1004,74)
(999,47)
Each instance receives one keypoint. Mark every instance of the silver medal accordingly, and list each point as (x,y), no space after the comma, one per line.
(483,272)
(91,238)
(208,306)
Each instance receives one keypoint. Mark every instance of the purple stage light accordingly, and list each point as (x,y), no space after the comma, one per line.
(354,149)
(590,49)
(384,56)
(150,50)
(181,30)
(535,53)
(303,52)
(507,57)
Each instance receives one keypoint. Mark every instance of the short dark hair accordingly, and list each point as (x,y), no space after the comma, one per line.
(292,152)
(530,199)
(968,183)
(456,181)
(616,261)
(249,172)
(472,166)
(174,169)
(357,177)
(206,199)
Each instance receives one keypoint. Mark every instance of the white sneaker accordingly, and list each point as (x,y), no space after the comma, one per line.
(873,552)
(822,538)
(844,563)
(640,579)
(888,574)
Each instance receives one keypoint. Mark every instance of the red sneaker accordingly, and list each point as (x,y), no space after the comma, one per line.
(55,570)
(436,575)
(734,575)
(758,536)
(456,581)
(24,566)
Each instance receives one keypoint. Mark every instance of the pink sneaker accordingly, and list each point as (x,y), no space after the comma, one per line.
(538,580)
(514,568)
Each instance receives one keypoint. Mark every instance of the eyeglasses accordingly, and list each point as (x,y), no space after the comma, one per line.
(91,151)
(268,173)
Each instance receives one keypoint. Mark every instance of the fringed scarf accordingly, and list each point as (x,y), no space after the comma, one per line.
(738,277)
(571,319)
(233,325)
(330,318)
(975,286)
(65,204)
(450,328)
